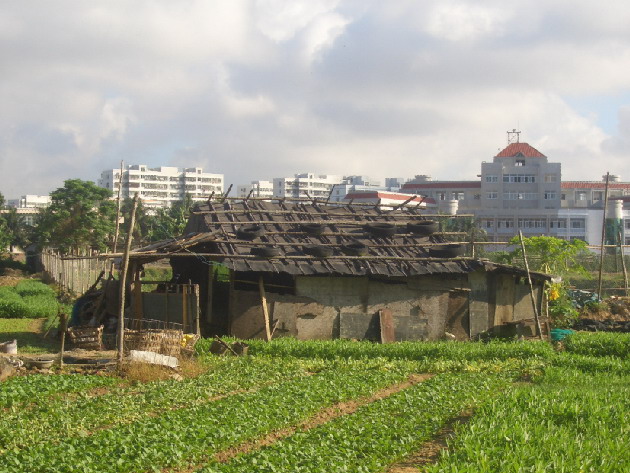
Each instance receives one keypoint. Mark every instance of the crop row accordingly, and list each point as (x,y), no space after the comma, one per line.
(332,349)
(376,435)
(569,422)
(599,344)
(58,418)
(35,389)
(31,299)
(181,436)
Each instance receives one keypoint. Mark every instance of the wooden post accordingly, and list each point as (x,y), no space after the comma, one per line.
(601,250)
(137,295)
(472,241)
(623,265)
(184,307)
(263,302)
(198,311)
(123,282)
(531,287)
(118,208)
(63,325)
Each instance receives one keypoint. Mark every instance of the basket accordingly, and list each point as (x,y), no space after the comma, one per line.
(87,338)
(165,342)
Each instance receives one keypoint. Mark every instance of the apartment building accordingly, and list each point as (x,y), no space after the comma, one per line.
(261,189)
(28,206)
(304,185)
(161,186)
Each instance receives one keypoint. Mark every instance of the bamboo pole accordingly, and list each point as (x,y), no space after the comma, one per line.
(123,282)
(601,251)
(531,286)
(265,309)
(623,265)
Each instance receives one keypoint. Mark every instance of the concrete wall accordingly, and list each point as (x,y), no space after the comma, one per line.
(347,307)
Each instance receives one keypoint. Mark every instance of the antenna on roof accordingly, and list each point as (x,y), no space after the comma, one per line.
(513,136)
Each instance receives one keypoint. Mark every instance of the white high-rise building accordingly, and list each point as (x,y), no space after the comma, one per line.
(262,189)
(161,186)
(304,185)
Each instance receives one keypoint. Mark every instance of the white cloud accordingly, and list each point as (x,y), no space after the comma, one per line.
(461,21)
(257,89)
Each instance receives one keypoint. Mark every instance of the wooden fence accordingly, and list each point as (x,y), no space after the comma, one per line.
(74,274)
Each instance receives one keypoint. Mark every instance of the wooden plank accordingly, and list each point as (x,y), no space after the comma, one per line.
(505,300)
(386,319)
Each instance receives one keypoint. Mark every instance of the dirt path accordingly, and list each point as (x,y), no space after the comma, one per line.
(429,451)
(319,418)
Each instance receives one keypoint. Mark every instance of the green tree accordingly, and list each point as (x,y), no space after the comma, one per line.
(548,254)
(18,231)
(170,222)
(80,216)
(5,239)
(143,225)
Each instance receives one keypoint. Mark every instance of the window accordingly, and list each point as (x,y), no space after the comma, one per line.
(441,195)
(458,196)
(492,178)
(519,178)
(551,178)
(563,197)
(505,223)
(520,196)
(477,196)
(520,162)
(492,195)
(598,195)
(487,224)
(532,223)
(549,195)
(580,195)
(627,224)
(577,223)
(559,223)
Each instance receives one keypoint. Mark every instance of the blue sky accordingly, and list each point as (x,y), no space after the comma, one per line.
(257,89)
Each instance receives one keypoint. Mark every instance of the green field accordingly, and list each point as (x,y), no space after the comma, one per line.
(336,406)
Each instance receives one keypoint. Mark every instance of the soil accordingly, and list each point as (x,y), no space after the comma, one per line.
(614,308)
(429,451)
(10,279)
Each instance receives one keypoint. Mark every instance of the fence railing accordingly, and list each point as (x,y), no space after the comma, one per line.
(74,274)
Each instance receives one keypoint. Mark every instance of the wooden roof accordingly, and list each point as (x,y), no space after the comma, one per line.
(215,233)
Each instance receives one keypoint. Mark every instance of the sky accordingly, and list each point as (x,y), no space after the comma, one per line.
(256,89)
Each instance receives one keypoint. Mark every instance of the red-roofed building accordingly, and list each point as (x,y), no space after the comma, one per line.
(519,189)
(520,150)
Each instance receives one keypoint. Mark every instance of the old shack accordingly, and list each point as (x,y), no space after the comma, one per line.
(311,270)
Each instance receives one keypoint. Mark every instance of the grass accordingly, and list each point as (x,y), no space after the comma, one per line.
(29,335)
